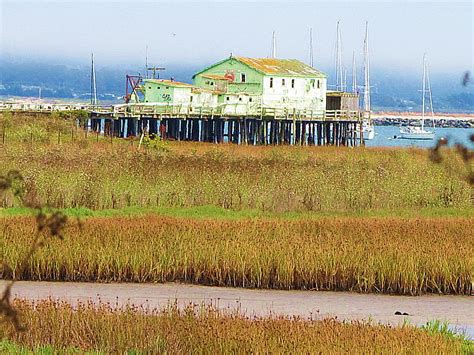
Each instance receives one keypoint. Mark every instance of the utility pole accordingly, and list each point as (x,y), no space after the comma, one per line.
(311,60)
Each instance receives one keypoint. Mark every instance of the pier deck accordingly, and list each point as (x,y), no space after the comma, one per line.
(259,126)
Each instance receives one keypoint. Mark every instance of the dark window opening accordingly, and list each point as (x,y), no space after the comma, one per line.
(240,99)
(292,83)
(271,82)
(190,99)
(282,82)
(228,98)
(319,85)
(242,78)
(250,99)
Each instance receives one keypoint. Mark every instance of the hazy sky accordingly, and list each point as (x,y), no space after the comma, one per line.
(204,32)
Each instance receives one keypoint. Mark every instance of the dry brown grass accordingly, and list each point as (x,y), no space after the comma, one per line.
(198,330)
(388,255)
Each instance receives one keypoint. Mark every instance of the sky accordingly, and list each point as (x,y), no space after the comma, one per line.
(195,32)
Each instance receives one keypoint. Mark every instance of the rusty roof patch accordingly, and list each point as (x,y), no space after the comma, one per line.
(284,67)
(169,83)
(215,77)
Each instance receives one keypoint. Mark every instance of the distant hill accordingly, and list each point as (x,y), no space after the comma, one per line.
(391,90)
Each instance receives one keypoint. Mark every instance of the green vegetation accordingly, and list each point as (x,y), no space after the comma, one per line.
(202,330)
(222,213)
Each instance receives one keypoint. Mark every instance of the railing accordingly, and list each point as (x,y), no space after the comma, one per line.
(42,107)
(163,110)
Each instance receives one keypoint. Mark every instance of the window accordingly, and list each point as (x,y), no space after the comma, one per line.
(271,82)
(240,99)
(167,87)
(157,88)
(212,83)
(242,78)
(292,83)
(250,99)
(191,98)
(149,87)
(227,98)
(319,84)
(312,83)
(282,82)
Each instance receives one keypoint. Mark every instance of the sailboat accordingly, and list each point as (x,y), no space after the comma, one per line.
(419,132)
(368,129)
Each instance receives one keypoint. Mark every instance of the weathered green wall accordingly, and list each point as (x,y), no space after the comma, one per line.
(158,92)
(253,80)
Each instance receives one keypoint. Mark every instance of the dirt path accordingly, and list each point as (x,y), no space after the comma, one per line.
(457,310)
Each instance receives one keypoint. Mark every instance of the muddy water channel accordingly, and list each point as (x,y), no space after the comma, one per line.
(457,310)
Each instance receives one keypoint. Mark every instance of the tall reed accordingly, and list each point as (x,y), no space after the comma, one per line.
(388,255)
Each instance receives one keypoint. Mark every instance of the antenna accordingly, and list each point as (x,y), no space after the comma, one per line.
(366,72)
(154,70)
(93,83)
(311,63)
(354,73)
(339,71)
(273,45)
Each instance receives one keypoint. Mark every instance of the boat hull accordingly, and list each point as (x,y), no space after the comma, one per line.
(417,135)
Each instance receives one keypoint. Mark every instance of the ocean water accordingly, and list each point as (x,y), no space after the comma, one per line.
(384,137)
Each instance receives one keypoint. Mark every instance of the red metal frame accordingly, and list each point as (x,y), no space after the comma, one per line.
(132,82)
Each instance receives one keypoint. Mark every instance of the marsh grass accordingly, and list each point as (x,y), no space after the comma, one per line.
(272,179)
(378,254)
(197,329)
(94,172)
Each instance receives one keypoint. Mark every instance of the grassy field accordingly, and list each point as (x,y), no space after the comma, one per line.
(325,218)
(402,255)
(56,327)
(83,172)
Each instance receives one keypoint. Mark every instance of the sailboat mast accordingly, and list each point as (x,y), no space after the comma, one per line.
(146,61)
(344,81)
(339,73)
(273,45)
(93,83)
(423,89)
(354,73)
(311,63)
(429,93)
(366,72)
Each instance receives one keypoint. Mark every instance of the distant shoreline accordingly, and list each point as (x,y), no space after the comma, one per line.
(417,115)
(449,120)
